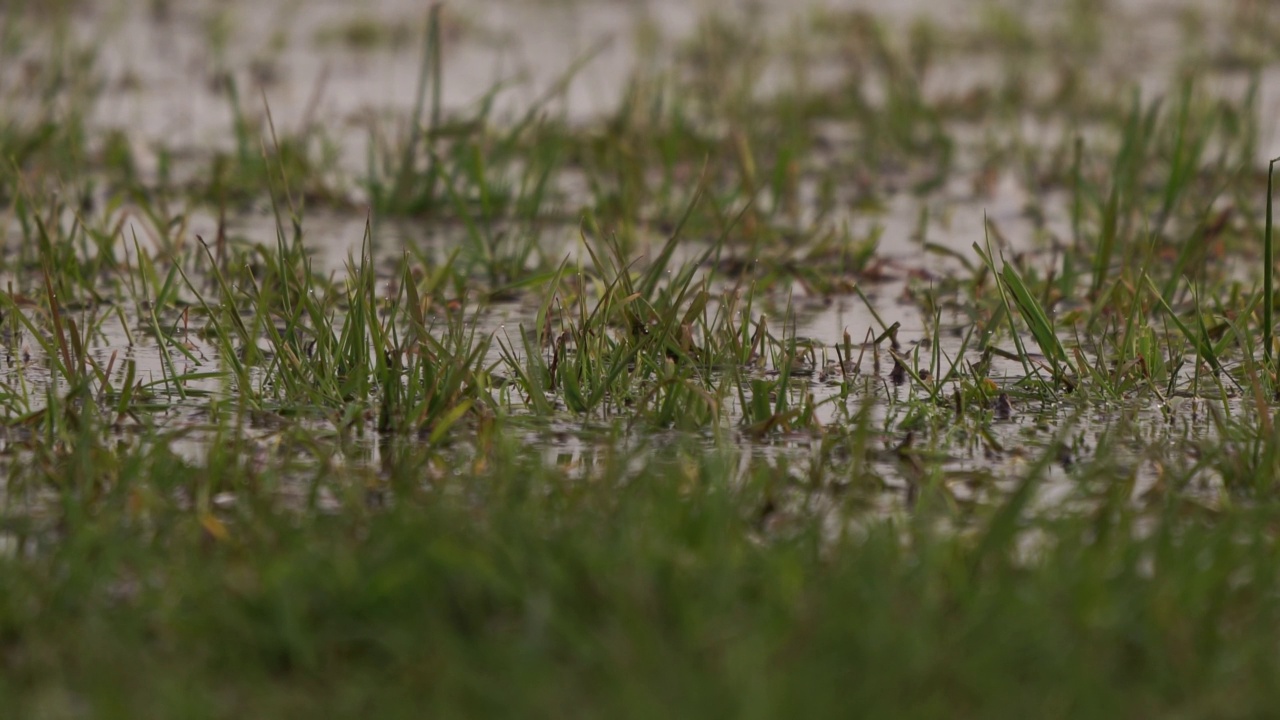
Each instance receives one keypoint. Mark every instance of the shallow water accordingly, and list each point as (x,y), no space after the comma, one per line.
(165,69)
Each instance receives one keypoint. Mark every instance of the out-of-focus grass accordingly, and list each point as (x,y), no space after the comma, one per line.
(672,587)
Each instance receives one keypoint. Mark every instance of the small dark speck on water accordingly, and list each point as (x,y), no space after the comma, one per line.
(1003,407)
(1065,458)
(898,374)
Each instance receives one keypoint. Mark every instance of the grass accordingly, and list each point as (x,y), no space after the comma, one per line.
(744,397)
(519,588)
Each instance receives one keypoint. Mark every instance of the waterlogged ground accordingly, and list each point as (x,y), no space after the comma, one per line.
(920,138)
(646,348)
(178,82)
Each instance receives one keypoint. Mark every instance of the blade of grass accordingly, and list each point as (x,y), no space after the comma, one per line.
(1268,268)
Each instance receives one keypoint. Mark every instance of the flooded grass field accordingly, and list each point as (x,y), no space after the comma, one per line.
(638,359)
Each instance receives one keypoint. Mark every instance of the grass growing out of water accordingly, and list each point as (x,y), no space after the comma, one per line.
(673,411)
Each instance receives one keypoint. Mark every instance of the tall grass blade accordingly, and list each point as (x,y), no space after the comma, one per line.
(1268,268)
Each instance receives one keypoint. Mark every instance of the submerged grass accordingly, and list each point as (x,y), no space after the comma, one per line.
(576,430)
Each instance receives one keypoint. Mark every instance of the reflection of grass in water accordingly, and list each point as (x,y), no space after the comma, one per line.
(651,493)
